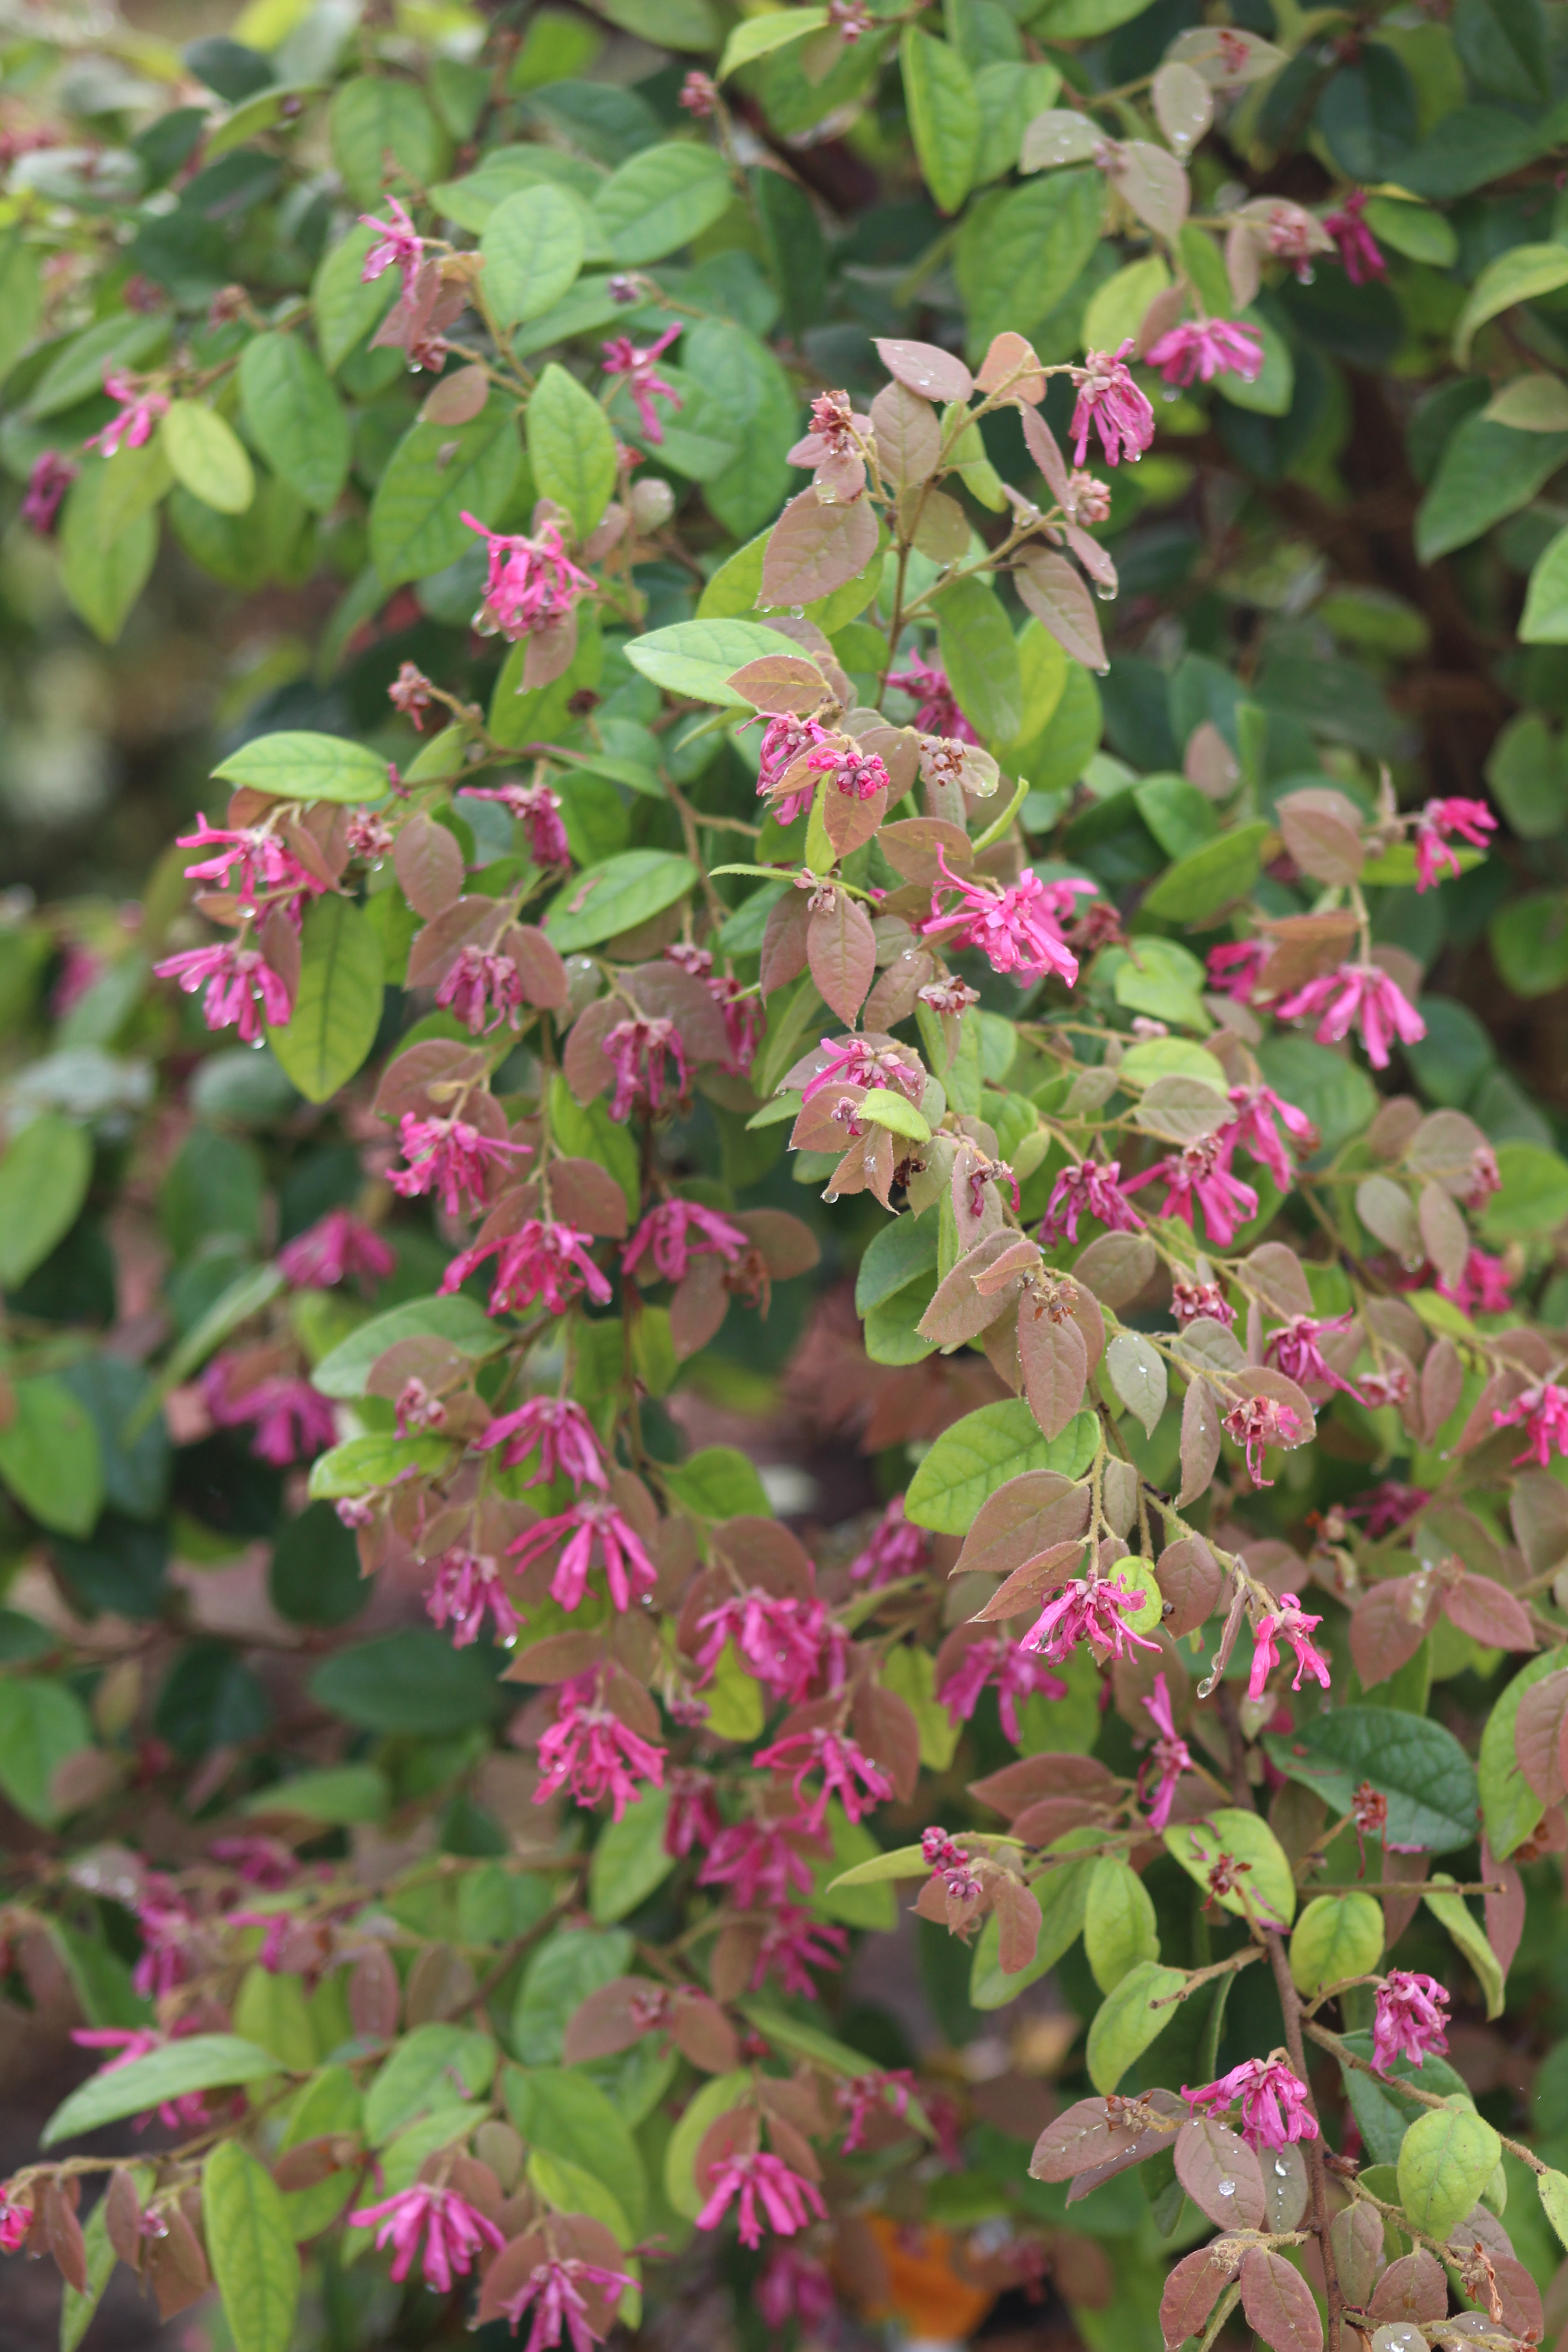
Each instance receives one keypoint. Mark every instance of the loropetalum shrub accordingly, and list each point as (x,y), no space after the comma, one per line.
(689,870)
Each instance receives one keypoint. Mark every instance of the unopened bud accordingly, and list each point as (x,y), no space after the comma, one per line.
(652,503)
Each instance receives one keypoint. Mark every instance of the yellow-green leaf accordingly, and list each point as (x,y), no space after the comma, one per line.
(209,457)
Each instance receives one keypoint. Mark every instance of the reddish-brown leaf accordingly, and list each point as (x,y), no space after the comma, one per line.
(912,843)
(583,1195)
(908,436)
(1220,2174)
(959,1311)
(850,821)
(1538,1512)
(584,1063)
(1018,1921)
(886,1726)
(1191,1580)
(1444,1231)
(122,2217)
(1117,1266)
(1505,1911)
(1009,1792)
(1355,2240)
(781,682)
(1285,2186)
(813,548)
(1278,2303)
(1046,451)
(1086,2134)
(63,2232)
(704,2034)
(539,965)
(841,949)
(1442,1382)
(1277,1273)
(784,941)
(1011,363)
(1021,1519)
(1322,833)
(374,1994)
(1489,1613)
(1055,1364)
(925,368)
(176,2265)
(1540,1736)
(1192,2291)
(1026,1584)
(1201,1412)
(1383,1633)
(1413,2287)
(1048,587)
(429,865)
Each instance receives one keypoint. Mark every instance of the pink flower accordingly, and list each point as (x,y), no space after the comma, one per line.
(1481,1289)
(1088,498)
(1193,1301)
(243,992)
(676,1232)
(763,1863)
(293,1422)
(1392,1387)
(1251,1126)
(139,413)
(538,810)
(555,2290)
(953,1866)
(1543,1411)
(50,478)
(401,248)
(468,1583)
(1018,927)
(538,1263)
(263,1862)
(1292,1622)
(786,742)
(1387,1508)
(410,692)
(16,2220)
(1201,1173)
(847,1773)
(530,582)
(1201,349)
(1472,821)
(1357,995)
(853,1062)
(1110,401)
(1088,1190)
(369,836)
(453,2233)
(1169,1757)
(794,2287)
(1259,1422)
(1275,2103)
(938,713)
(1091,1610)
(590,1526)
(792,1944)
(481,990)
(859,775)
(591,1751)
(337,1244)
(1359,250)
(768,2191)
(787,1640)
(1015,1674)
(637,1049)
(1295,1348)
(1410,2019)
(865,2095)
(699,94)
(895,1548)
(622,357)
(266,865)
(448,1155)
(692,1822)
(559,1431)
(1234,970)
(166,1925)
(741,1012)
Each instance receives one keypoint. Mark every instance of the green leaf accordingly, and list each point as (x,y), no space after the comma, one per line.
(209,457)
(567,1967)
(1120,1931)
(1266,1883)
(1552,2189)
(979,1453)
(102,581)
(1533,1198)
(1486,471)
(78,369)
(1517,276)
(410,1681)
(51,1458)
(1337,1936)
(1384,2109)
(21,305)
(1415,230)
(661,199)
(758,36)
(344,308)
(1467,1931)
(41,1723)
(461,1322)
(1420,1768)
(898,1861)
(796,2039)
(564,2112)
(1339,1099)
(571,447)
(1018,258)
(570,2188)
(430,2068)
(1528,940)
(360,1463)
(338,1009)
(204,2061)
(295,418)
(271,2010)
(868,1906)
(617,896)
(696,658)
(981,658)
(1127,2022)
(1116,309)
(369,116)
(44,1177)
(1063,1895)
(340,1794)
(1272,390)
(1446,2160)
(718,1483)
(945,117)
(1210,878)
(1166,981)
(436,472)
(1510,1806)
(297,766)
(533,245)
(330,2102)
(1545,621)
(714,2099)
(629,1860)
(734,1698)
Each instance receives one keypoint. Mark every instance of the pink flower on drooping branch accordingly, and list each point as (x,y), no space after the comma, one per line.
(1088,1190)
(590,1532)
(553,2289)
(50,478)
(1542,1413)
(453,2233)
(1275,2104)
(268,866)
(336,1246)
(1111,403)
(1018,927)
(1234,970)
(1191,1302)
(856,1062)
(1290,1622)
(1200,348)
(450,1157)
(938,713)
(676,1232)
(1358,995)
(894,1548)
(637,1050)
(1253,1110)
(1438,823)
(140,411)
(770,2197)
(538,1263)
(481,989)
(1201,1174)
(538,810)
(401,247)
(1481,1289)
(1259,1422)
(1409,2019)
(856,1780)
(994,1662)
(1297,1349)
(1088,1609)
(764,1862)
(792,1944)
(16,2220)
(741,1010)
(786,742)
(293,1422)
(1168,1758)
(693,1821)
(1358,248)
(468,1585)
(559,1431)
(589,1750)
(639,366)
(243,992)
(786,1639)
(530,582)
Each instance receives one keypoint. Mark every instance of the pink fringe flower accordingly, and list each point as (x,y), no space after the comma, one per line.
(763,1863)
(1087,1608)
(792,1944)
(741,1013)
(1289,1622)
(591,1751)
(852,1062)
(336,1246)
(530,580)
(410,692)
(243,992)
(590,1527)
(1109,402)
(996,1662)
(770,2197)
(1018,927)
(554,2290)
(1296,1347)
(481,990)
(453,2233)
(676,1232)
(1194,1301)
(1089,1190)
(859,775)
(16,2220)
(468,1583)
(266,865)
(1410,2019)
(786,740)
(622,357)
(1200,348)
(865,2096)
(1387,1508)
(538,1264)
(938,713)
(1358,995)
(1358,248)
(699,94)
(50,478)
(787,1640)
(794,2287)
(451,1158)
(1259,1422)
(637,1050)
(896,1548)
(1542,1413)
(1201,1174)
(293,1422)
(1234,970)
(1275,2103)
(1253,1110)
(694,1822)
(559,1431)
(1470,821)
(538,810)
(140,411)
(847,1773)
(401,247)
(1481,1289)
(1168,1758)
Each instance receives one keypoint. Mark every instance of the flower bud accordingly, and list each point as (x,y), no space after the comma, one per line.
(652,503)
